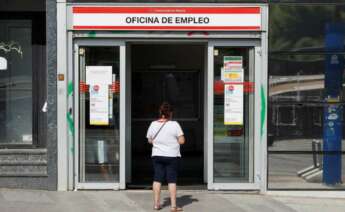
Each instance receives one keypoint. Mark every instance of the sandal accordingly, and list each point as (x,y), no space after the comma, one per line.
(157,207)
(176,209)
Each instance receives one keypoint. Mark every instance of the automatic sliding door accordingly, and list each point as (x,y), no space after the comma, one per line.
(232,152)
(98,125)
(99,114)
(232,143)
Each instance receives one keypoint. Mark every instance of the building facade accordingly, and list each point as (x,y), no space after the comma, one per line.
(28,94)
(257,86)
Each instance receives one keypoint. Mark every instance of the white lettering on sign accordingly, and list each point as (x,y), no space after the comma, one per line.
(167,18)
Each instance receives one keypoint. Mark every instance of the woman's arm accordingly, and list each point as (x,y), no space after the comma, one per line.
(181,140)
(150,140)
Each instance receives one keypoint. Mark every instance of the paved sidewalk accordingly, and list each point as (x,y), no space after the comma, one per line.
(127,201)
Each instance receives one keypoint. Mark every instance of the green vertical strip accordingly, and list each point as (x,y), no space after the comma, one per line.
(71,128)
(70,88)
(263,110)
(70,121)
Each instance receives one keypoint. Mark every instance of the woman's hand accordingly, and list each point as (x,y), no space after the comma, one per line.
(181,140)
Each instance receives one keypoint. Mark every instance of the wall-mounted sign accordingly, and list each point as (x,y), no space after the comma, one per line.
(99,78)
(167,18)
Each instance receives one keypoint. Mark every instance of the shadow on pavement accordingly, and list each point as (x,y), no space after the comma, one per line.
(181,201)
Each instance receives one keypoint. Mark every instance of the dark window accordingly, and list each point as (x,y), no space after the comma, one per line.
(22,73)
(286,116)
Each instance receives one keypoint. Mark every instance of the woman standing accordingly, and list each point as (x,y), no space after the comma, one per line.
(166,136)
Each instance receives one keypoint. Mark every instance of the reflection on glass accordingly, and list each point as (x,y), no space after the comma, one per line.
(306,96)
(232,147)
(290,171)
(297,78)
(99,144)
(16,82)
(300,27)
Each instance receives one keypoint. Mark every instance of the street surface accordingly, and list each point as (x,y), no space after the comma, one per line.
(141,200)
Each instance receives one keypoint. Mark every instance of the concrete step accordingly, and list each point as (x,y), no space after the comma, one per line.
(23,162)
(12,155)
(20,170)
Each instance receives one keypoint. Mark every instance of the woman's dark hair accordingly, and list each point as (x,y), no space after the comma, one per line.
(165,110)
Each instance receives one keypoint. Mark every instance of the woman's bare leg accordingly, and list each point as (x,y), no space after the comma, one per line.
(156,187)
(172,191)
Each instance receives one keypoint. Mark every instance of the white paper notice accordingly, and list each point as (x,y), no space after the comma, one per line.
(99,75)
(233,104)
(233,77)
(99,78)
(99,107)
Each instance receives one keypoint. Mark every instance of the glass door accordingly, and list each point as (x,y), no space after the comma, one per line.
(232,163)
(98,117)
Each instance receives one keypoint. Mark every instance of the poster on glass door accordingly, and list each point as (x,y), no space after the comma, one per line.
(233,104)
(231,62)
(99,78)
(233,77)
(99,75)
(99,106)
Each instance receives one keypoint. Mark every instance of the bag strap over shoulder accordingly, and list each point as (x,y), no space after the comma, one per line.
(159,130)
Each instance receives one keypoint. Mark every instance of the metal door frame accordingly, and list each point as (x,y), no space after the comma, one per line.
(255,61)
(208,110)
(100,42)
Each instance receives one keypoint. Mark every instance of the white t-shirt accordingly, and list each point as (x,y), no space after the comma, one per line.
(166,142)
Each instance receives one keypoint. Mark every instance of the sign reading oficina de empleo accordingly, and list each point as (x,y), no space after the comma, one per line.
(166,18)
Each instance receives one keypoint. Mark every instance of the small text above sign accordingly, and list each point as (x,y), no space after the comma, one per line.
(167,18)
